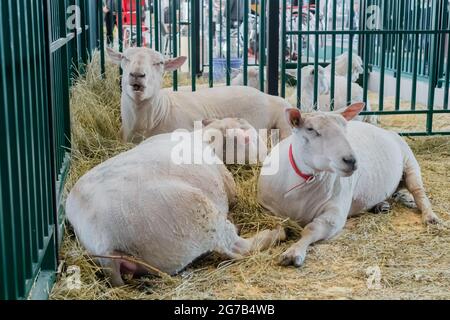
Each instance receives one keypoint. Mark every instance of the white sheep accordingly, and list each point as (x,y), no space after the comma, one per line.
(341,67)
(149,205)
(324,96)
(147,110)
(331,168)
(252,77)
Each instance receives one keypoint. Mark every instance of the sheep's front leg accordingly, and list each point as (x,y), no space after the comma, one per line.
(323,227)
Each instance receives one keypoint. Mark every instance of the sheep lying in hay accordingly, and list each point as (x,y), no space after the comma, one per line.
(147,110)
(162,208)
(375,256)
(331,168)
(341,67)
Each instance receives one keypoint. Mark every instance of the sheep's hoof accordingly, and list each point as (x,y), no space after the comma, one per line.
(292,257)
(431,219)
(405,198)
(382,207)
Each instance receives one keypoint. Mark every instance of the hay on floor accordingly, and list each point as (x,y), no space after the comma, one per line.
(411,260)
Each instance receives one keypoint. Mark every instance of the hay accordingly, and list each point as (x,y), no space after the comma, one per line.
(413,260)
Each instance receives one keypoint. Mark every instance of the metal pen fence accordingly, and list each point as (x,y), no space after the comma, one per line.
(38,54)
(406,47)
(400,43)
(404,42)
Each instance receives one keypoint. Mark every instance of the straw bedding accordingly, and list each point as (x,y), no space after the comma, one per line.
(410,260)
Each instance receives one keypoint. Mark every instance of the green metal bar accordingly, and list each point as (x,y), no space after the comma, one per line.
(333,55)
(350,53)
(433,70)
(299,58)
(174,41)
(367,45)
(342,27)
(32,161)
(326,28)
(316,56)
(220,29)
(447,71)
(262,44)
(156,22)
(138,23)
(42,118)
(415,57)
(383,59)
(102,39)
(308,28)
(283,48)
(120,26)
(245,70)
(228,40)
(210,43)
(202,6)
(398,51)
(194,47)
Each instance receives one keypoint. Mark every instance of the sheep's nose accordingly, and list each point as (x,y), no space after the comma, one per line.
(137,75)
(350,161)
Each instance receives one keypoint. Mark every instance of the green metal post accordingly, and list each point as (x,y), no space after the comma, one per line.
(283,48)
(195,54)
(333,55)
(174,42)
(228,35)
(433,69)
(156,22)
(262,44)
(102,39)
(138,23)
(246,5)
(210,43)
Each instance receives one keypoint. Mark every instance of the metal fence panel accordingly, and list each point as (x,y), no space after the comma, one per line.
(37,51)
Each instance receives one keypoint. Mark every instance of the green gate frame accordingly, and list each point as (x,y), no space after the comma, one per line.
(39,56)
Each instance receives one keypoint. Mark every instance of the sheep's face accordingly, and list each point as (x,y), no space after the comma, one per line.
(234,140)
(323,141)
(342,63)
(143,71)
(308,75)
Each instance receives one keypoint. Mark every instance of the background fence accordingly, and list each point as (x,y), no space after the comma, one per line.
(404,47)
(38,54)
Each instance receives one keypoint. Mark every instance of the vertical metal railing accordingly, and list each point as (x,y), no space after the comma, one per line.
(37,51)
(408,46)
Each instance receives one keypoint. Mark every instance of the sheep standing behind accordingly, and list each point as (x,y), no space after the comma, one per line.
(149,204)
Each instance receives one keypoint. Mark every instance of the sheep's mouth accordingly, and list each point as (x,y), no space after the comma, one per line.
(137,87)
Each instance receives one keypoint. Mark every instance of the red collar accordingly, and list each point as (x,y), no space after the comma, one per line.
(307,177)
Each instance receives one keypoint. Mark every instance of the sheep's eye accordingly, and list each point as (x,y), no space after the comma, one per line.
(158,63)
(310,129)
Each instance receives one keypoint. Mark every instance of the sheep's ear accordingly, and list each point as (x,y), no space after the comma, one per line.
(207,122)
(115,56)
(174,64)
(352,111)
(294,117)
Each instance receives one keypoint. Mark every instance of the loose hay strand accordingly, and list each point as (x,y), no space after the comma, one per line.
(413,260)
